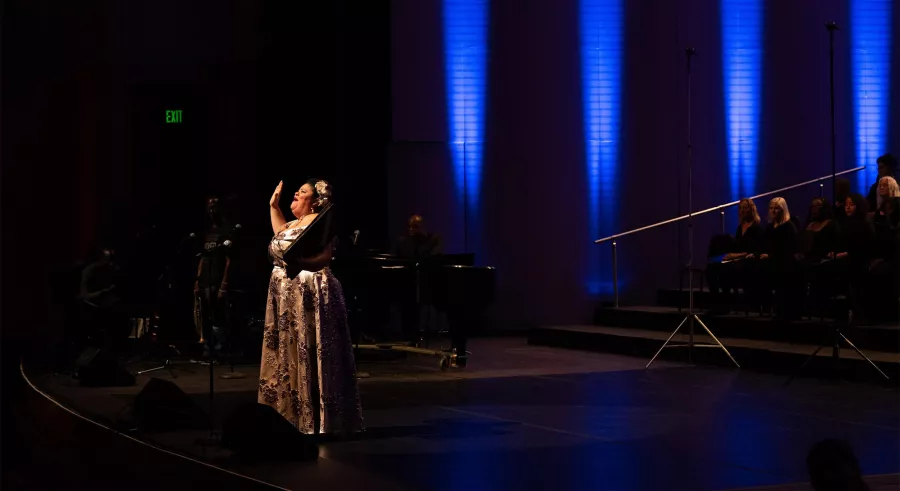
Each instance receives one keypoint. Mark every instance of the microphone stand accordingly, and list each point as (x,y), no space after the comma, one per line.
(836,335)
(230,324)
(691,317)
(201,317)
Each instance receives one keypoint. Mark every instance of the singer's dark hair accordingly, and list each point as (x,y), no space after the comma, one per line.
(862,205)
(311,182)
(824,212)
(889,160)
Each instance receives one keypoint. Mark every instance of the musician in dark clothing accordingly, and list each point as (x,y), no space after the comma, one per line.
(819,236)
(104,314)
(857,237)
(883,282)
(855,251)
(778,266)
(731,271)
(817,241)
(887,167)
(418,243)
(211,286)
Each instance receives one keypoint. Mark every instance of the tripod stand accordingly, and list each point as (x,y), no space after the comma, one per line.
(165,278)
(836,336)
(690,318)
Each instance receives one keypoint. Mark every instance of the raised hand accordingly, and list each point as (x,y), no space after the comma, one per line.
(276,196)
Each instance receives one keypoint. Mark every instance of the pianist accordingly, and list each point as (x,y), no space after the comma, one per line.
(417,243)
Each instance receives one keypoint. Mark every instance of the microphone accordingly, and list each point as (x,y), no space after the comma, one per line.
(209,250)
(237,227)
(191,236)
(355,237)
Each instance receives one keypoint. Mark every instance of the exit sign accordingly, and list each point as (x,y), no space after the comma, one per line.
(173,116)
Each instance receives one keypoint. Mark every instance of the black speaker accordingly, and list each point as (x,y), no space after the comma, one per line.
(96,367)
(256,431)
(162,406)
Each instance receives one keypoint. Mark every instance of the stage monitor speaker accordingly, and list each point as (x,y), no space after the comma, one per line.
(162,406)
(97,367)
(257,431)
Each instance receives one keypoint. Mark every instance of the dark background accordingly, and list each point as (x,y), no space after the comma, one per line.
(353,91)
(269,90)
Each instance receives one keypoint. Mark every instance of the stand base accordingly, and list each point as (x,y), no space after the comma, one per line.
(835,342)
(233,375)
(167,365)
(690,345)
(448,358)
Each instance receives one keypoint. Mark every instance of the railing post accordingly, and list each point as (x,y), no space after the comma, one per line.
(821,190)
(615,260)
(722,220)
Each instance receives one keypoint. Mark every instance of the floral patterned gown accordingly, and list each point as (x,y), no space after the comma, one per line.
(308,373)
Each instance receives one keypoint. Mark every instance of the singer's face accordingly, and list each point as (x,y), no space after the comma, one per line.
(815,209)
(775,212)
(303,200)
(744,211)
(849,207)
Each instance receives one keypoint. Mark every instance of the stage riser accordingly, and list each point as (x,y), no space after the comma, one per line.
(672,297)
(849,367)
(750,327)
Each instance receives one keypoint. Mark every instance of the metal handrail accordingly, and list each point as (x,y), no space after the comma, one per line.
(615,259)
(726,205)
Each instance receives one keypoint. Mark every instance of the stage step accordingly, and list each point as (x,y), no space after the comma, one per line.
(751,327)
(753,355)
(673,297)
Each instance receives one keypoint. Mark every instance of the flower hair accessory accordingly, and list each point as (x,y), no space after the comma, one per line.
(323,189)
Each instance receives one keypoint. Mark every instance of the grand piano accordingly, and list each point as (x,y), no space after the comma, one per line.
(450,284)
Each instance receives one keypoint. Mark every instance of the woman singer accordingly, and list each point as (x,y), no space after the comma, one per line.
(308,373)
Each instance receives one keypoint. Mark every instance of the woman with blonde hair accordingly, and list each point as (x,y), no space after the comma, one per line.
(883,282)
(887,211)
(731,271)
(779,269)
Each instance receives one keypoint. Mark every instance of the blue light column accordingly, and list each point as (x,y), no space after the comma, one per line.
(465,59)
(601,68)
(742,71)
(870,39)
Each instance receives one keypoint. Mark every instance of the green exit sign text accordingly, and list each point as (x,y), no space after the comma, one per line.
(173,116)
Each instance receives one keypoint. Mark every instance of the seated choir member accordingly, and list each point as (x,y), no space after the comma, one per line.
(778,268)
(884,271)
(887,167)
(731,271)
(855,251)
(887,210)
(817,240)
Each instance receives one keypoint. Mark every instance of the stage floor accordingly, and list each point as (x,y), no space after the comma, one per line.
(530,417)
